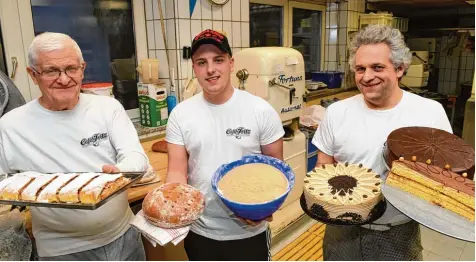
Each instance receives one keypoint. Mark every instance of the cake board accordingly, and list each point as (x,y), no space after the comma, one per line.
(376,213)
(430,215)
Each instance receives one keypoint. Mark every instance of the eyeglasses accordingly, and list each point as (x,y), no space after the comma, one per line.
(54,73)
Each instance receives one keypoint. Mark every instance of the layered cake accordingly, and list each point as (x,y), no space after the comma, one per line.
(340,191)
(432,146)
(173,205)
(436,185)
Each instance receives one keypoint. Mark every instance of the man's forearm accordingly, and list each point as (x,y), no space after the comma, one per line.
(176,177)
(133,162)
(323,159)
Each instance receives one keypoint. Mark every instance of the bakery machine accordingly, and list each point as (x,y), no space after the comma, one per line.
(418,72)
(277,75)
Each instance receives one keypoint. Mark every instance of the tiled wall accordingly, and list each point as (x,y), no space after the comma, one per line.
(341,19)
(450,65)
(232,18)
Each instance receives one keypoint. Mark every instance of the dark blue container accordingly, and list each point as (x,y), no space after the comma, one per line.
(171,103)
(254,211)
(311,163)
(333,79)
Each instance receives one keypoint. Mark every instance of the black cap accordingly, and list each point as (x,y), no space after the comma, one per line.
(211,37)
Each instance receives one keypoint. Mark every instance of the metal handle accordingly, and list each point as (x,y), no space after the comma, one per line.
(14,67)
(242,75)
(292,90)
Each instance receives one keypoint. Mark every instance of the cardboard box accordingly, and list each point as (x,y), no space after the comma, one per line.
(152,104)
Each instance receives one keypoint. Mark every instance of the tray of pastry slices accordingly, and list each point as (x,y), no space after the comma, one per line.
(64,190)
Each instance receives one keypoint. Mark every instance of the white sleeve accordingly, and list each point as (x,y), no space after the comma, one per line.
(123,136)
(441,121)
(270,125)
(4,169)
(324,137)
(173,133)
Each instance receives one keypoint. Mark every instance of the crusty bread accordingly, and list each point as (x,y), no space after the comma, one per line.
(160,146)
(173,205)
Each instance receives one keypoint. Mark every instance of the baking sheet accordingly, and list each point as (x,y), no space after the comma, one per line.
(133,176)
(430,215)
(153,181)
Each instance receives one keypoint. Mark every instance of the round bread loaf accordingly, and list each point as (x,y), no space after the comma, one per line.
(173,205)
(160,146)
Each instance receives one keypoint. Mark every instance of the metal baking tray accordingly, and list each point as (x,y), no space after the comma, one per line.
(133,176)
(430,215)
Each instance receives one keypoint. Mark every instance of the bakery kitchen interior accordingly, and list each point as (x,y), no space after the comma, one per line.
(296,56)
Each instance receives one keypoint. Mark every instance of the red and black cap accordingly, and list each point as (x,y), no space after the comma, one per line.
(211,37)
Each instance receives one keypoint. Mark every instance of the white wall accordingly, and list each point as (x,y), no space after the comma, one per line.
(232,18)
(341,18)
(452,64)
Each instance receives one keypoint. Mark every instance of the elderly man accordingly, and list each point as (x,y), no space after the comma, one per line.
(355,129)
(65,131)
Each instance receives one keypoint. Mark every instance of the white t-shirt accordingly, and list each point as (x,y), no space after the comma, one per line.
(218,134)
(96,132)
(351,132)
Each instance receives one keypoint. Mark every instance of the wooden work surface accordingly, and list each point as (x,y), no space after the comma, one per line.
(159,163)
(340,96)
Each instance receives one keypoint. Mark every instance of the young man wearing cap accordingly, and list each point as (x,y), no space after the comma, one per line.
(215,127)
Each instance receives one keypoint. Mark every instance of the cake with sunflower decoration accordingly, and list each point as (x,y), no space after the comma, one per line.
(342,191)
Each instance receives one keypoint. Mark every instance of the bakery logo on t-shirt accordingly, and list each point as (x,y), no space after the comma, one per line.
(238,132)
(94,139)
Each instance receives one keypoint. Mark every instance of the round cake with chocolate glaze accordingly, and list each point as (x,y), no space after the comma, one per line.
(431,146)
(346,192)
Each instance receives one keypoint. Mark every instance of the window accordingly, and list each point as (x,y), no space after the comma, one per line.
(307,37)
(266,25)
(104,31)
(293,24)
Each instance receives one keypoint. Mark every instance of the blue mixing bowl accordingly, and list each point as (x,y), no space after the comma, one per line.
(254,211)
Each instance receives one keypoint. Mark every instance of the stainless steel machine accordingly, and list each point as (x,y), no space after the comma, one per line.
(418,72)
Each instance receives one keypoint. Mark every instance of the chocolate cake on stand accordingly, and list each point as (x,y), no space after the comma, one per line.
(431,146)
